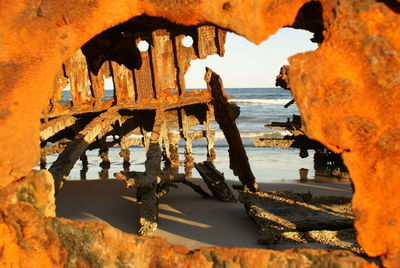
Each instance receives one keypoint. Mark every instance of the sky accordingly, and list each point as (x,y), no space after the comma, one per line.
(248,65)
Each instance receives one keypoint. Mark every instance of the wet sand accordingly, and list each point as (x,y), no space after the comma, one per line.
(185,218)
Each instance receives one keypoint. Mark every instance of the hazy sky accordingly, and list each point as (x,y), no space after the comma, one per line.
(248,65)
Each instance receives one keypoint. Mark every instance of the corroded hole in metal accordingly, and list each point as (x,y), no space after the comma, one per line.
(187,41)
(143,46)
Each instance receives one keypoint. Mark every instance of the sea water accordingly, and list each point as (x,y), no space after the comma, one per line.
(258,107)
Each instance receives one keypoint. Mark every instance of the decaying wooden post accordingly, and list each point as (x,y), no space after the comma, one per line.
(239,162)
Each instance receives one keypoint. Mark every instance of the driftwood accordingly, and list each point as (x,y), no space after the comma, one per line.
(97,128)
(239,161)
(215,181)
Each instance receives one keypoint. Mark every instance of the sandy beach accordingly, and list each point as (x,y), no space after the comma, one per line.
(185,218)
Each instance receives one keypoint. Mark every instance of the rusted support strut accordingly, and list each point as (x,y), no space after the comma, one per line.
(97,128)
(215,181)
(148,213)
(54,126)
(139,179)
(239,162)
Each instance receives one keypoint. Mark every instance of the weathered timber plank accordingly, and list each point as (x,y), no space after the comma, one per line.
(239,162)
(78,75)
(123,83)
(98,127)
(54,126)
(165,73)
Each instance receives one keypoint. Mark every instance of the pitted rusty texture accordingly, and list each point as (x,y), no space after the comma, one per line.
(358,55)
(158,80)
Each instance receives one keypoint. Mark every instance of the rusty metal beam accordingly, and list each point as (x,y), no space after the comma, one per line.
(239,162)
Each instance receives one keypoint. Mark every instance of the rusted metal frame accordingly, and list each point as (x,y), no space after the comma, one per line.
(139,179)
(43,160)
(239,162)
(194,134)
(103,153)
(124,90)
(60,83)
(206,41)
(85,163)
(210,40)
(165,142)
(56,125)
(215,181)
(174,148)
(97,81)
(210,135)
(78,74)
(125,153)
(163,65)
(87,88)
(97,128)
(190,98)
(144,77)
(185,125)
(183,56)
(56,148)
(148,213)
(126,130)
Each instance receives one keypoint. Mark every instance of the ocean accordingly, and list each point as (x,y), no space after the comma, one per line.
(258,107)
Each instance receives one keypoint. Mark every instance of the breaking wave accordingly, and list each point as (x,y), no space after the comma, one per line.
(261,101)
